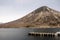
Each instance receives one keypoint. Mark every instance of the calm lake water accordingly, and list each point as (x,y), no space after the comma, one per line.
(22,33)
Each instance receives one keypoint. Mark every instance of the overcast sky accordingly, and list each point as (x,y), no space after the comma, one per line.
(14,9)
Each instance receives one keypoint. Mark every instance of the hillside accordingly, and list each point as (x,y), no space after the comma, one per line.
(43,17)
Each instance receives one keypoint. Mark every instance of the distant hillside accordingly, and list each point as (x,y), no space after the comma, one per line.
(43,17)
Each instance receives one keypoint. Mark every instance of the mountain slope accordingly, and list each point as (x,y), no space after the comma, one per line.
(43,17)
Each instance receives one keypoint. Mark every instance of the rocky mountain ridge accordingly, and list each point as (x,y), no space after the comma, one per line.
(43,17)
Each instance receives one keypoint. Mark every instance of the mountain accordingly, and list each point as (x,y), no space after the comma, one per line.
(42,17)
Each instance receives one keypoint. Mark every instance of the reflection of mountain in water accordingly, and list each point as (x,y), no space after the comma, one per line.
(43,17)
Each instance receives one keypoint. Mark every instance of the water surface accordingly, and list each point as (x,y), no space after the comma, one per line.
(22,33)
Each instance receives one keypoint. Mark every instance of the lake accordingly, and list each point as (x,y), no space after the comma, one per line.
(22,33)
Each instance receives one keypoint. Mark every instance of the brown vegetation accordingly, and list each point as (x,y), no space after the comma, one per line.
(42,17)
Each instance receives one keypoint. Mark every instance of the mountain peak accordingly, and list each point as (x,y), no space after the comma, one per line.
(44,8)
